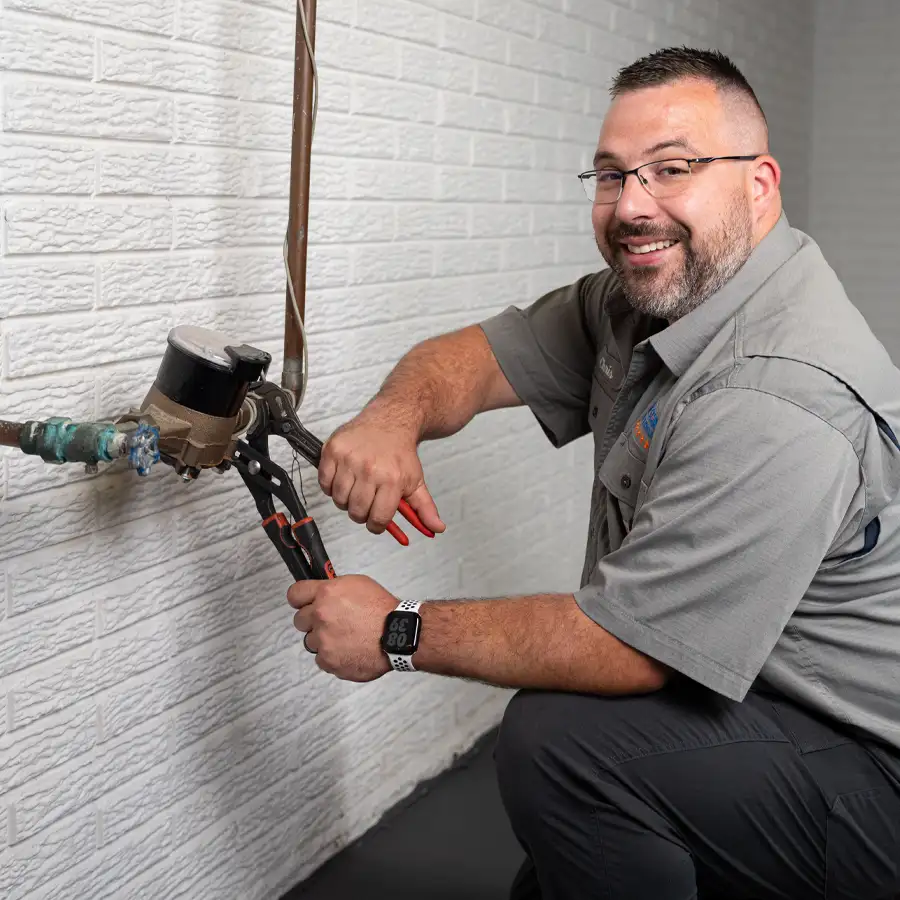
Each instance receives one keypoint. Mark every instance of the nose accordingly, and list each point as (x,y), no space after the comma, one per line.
(635,202)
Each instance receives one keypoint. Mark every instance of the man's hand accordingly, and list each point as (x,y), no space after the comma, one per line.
(344,618)
(372,463)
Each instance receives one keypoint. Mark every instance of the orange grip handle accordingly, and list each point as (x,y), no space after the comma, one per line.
(410,515)
(397,534)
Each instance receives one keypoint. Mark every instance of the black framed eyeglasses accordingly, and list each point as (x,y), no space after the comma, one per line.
(662,179)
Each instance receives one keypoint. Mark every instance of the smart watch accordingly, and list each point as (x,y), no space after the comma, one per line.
(400,638)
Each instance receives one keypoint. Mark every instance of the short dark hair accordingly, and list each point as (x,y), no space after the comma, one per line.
(674,63)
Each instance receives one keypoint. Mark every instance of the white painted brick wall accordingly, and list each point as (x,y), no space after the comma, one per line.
(855,175)
(162,732)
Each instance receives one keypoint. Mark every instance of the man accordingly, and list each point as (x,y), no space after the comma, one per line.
(716,712)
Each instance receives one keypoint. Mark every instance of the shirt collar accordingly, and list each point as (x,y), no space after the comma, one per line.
(683,341)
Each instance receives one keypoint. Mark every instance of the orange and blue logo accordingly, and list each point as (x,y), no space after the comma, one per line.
(645,426)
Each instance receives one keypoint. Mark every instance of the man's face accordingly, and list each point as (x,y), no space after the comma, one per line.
(711,222)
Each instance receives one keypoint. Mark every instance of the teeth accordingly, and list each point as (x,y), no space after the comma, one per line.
(648,248)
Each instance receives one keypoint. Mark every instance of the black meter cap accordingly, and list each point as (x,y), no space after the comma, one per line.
(250,363)
(204,371)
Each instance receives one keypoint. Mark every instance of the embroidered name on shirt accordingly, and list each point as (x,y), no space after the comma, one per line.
(645,426)
(606,368)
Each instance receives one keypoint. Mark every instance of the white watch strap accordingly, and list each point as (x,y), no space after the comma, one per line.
(400,662)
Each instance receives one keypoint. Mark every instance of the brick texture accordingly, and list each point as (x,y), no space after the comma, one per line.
(162,732)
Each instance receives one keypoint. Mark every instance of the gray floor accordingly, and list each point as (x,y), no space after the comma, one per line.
(451,841)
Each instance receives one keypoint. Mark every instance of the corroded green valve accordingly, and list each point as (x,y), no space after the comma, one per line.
(59,440)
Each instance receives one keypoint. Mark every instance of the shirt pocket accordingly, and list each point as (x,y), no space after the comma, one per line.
(621,475)
(608,371)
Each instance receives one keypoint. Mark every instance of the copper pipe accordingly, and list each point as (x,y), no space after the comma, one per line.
(9,433)
(298,217)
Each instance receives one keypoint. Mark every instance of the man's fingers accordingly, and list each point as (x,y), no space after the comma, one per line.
(341,488)
(327,469)
(360,501)
(423,504)
(384,508)
(303,619)
(302,593)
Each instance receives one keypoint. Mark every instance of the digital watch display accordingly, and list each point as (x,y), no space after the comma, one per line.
(400,638)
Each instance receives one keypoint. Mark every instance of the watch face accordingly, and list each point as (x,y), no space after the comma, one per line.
(401,633)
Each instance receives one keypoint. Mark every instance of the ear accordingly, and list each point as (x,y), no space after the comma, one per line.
(766,181)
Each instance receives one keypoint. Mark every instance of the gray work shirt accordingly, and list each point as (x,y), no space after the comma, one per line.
(745,516)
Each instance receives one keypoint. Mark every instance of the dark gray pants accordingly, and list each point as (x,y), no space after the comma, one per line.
(683,794)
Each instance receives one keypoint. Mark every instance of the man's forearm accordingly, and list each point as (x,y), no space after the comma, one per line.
(441,384)
(542,642)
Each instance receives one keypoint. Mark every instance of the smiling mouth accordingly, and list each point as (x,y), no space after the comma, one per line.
(647,254)
(648,248)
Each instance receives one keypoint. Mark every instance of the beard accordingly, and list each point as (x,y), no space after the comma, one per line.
(705,266)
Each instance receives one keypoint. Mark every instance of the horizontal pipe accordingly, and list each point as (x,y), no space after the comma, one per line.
(60,440)
(10,432)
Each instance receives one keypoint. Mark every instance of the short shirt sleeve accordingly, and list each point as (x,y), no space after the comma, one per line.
(742,509)
(547,353)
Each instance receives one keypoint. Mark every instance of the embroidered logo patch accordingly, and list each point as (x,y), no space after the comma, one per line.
(645,426)
(605,367)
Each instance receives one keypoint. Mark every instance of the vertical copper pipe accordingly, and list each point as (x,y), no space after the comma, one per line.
(298,218)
